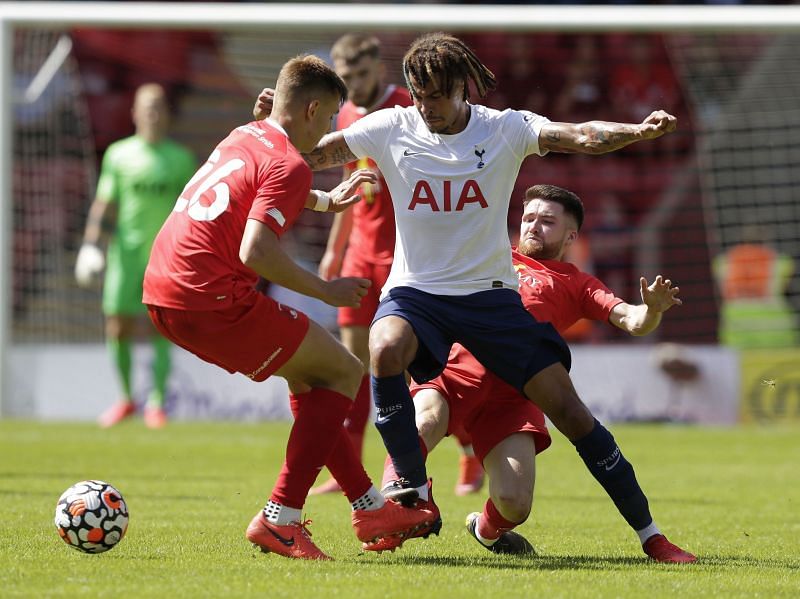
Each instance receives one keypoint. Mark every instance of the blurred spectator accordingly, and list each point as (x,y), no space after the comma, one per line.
(752,279)
(645,79)
(522,63)
(642,78)
(583,95)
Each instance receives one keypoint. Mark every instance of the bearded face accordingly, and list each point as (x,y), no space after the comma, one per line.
(546,231)
(362,78)
(537,248)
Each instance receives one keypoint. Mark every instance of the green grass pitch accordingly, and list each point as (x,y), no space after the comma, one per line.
(732,496)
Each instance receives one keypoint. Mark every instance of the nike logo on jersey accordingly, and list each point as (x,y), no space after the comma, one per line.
(287,542)
(408,152)
(526,117)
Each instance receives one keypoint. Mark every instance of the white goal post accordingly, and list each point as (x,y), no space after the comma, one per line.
(331,17)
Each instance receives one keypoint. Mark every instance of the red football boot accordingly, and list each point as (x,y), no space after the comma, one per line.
(292,540)
(116,413)
(392,519)
(392,542)
(661,550)
(155,417)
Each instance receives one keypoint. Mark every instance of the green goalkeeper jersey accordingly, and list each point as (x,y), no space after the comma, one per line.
(144,180)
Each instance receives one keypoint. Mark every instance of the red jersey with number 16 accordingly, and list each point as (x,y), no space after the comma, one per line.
(253,173)
(372,236)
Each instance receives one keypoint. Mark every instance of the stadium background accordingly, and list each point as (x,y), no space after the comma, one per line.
(666,207)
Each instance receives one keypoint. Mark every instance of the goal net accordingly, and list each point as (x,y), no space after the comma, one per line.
(667,207)
(679,206)
(53,174)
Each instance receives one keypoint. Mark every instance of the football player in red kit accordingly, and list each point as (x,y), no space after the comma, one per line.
(224,233)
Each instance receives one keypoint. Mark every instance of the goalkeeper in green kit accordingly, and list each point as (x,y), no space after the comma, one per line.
(140,179)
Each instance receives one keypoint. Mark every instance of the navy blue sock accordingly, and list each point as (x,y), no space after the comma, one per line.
(398,427)
(605,461)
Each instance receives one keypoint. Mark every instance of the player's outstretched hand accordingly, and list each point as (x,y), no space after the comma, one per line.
(661,295)
(346,291)
(657,124)
(263,105)
(345,194)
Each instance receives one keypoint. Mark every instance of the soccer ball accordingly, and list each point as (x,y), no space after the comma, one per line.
(91,516)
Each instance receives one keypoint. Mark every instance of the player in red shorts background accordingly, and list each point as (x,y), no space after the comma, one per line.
(507,429)
(224,233)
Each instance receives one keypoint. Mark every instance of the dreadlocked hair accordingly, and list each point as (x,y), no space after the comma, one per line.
(445,59)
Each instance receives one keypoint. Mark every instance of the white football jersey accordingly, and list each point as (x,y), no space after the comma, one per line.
(450,193)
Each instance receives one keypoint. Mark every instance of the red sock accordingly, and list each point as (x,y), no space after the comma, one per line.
(344,464)
(491,524)
(346,467)
(389,473)
(319,415)
(358,416)
(357,441)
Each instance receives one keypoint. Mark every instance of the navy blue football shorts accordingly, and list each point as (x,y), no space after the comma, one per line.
(492,324)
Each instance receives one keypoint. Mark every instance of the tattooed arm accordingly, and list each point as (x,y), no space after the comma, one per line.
(332,150)
(599,137)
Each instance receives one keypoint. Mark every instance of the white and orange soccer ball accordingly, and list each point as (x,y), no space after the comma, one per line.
(91,516)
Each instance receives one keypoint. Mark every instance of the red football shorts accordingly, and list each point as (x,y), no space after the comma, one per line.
(355,266)
(254,336)
(488,408)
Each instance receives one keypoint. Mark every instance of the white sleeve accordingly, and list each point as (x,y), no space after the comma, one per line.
(521,130)
(369,136)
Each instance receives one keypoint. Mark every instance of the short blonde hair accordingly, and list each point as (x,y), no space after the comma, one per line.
(306,76)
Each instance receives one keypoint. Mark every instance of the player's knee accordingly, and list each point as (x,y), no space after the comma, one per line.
(426,419)
(514,504)
(430,427)
(386,356)
(351,373)
(343,373)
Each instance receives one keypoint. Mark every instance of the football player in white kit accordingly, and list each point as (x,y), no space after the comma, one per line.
(450,166)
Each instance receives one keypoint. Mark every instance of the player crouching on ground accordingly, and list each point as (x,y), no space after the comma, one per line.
(507,429)
(224,233)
